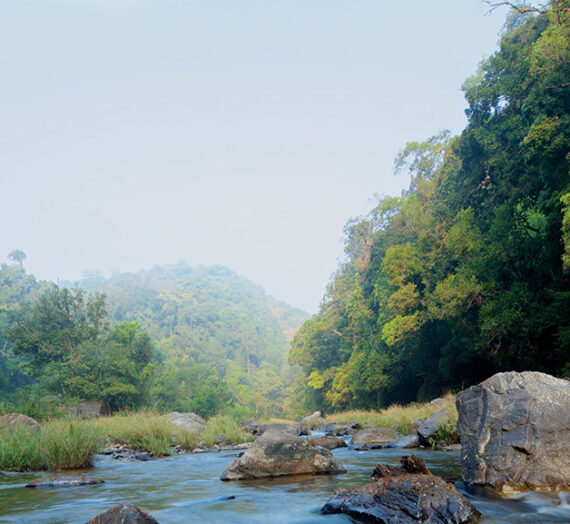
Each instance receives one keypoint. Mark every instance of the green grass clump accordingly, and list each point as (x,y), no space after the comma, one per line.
(447,432)
(400,418)
(20,450)
(145,429)
(69,445)
(222,426)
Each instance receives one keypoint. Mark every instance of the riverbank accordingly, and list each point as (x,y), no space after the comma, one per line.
(72,444)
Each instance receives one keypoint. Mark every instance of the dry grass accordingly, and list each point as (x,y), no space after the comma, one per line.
(395,416)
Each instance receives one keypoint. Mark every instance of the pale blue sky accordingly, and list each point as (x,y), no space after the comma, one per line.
(243,133)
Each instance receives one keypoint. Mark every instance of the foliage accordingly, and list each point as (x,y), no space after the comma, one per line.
(223,426)
(20,450)
(467,273)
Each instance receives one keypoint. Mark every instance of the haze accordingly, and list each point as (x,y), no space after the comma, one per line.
(245,133)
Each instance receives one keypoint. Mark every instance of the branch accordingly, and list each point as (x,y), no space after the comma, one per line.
(521,8)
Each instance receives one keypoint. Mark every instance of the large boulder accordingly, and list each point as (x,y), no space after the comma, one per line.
(515,432)
(371,438)
(275,454)
(187,421)
(123,514)
(403,499)
(12,421)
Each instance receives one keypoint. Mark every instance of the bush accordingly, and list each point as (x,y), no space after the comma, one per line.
(20,450)
(69,445)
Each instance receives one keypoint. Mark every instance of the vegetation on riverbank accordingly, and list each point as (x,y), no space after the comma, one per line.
(397,417)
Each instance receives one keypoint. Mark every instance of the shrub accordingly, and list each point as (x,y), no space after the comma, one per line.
(223,426)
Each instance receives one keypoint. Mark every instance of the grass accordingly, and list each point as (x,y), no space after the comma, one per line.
(60,445)
(223,426)
(69,445)
(400,418)
(20,450)
(144,429)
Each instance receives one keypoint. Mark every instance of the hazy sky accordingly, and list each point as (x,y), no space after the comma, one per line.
(243,133)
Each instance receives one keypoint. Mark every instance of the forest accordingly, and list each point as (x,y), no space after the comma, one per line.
(171,338)
(467,273)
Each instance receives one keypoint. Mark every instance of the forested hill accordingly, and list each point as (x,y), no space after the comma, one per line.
(468,272)
(206,314)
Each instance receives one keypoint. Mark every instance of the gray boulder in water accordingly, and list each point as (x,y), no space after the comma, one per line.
(123,514)
(64,481)
(515,432)
(276,454)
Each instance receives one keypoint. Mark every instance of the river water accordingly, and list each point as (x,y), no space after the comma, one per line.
(187,488)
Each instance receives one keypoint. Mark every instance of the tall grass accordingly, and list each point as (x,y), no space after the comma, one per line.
(69,445)
(222,426)
(145,429)
(400,418)
(20,450)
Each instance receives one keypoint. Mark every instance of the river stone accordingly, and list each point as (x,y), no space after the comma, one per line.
(328,442)
(431,425)
(515,432)
(311,422)
(64,481)
(12,420)
(187,421)
(123,514)
(408,441)
(275,454)
(408,465)
(371,438)
(403,499)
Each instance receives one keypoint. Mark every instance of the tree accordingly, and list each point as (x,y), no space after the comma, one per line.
(18,256)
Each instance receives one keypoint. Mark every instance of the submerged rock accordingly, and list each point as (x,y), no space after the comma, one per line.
(408,441)
(371,438)
(276,454)
(515,432)
(403,499)
(123,514)
(11,421)
(64,481)
(409,465)
(328,442)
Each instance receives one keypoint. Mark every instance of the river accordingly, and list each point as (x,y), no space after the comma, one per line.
(187,488)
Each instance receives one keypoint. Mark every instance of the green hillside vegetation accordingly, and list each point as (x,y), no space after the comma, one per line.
(175,338)
(467,273)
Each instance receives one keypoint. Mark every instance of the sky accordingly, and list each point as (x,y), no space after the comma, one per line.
(239,132)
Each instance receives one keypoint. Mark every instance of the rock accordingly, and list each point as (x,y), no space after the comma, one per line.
(86,409)
(223,441)
(431,425)
(409,441)
(440,445)
(252,426)
(311,422)
(409,465)
(374,437)
(403,499)
(328,442)
(515,432)
(123,514)
(338,430)
(13,420)
(64,481)
(187,421)
(453,447)
(276,454)
(198,450)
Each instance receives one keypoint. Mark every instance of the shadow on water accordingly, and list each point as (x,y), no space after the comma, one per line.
(187,488)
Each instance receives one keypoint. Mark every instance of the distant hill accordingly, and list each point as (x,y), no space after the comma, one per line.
(208,315)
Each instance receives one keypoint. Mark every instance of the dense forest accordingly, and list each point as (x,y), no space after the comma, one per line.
(174,337)
(468,272)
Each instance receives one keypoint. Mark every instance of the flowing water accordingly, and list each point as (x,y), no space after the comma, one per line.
(187,488)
